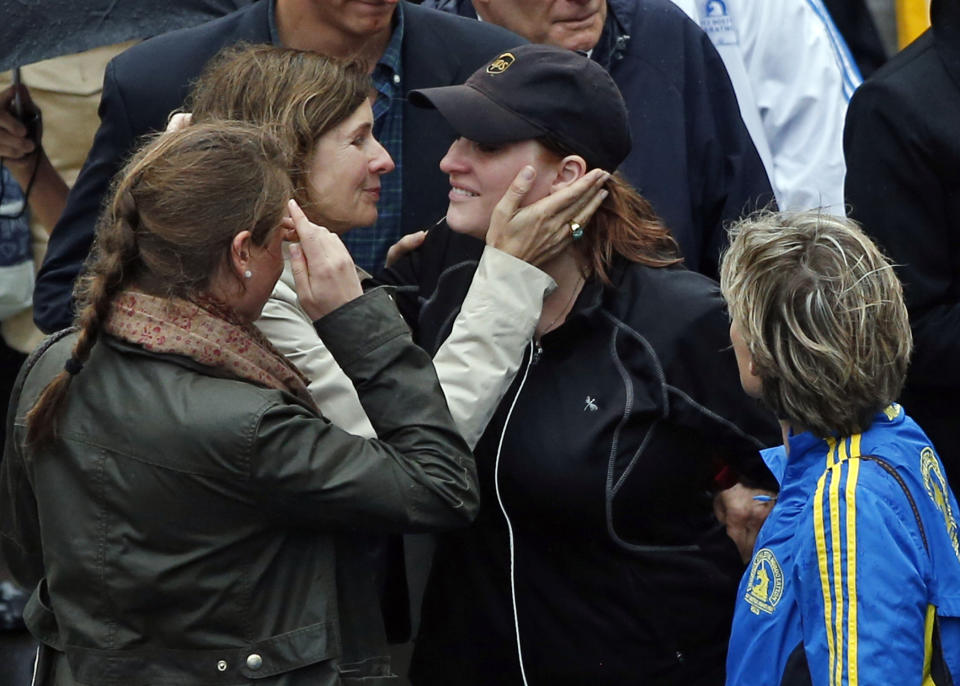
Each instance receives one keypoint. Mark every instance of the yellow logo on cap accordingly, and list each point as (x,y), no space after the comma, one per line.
(501,64)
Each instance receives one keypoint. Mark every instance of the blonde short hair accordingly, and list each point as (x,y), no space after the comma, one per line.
(822,313)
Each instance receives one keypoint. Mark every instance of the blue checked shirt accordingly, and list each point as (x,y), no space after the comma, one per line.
(369,245)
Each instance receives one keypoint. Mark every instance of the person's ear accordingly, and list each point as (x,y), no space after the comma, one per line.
(240,253)
(571,168)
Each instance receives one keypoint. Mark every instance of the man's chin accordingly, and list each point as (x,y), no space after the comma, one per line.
(584,39)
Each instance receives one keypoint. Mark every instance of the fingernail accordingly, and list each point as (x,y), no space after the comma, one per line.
(295,250)
(603,194)
(528,172)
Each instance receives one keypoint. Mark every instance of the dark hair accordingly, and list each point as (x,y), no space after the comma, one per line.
(300,95)
(625,225)
(175,209)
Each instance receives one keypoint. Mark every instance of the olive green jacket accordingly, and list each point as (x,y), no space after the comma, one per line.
(186,528)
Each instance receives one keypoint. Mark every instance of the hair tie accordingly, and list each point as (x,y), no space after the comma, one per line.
(73,366)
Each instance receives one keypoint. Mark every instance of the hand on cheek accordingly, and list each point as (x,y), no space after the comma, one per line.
(323,270)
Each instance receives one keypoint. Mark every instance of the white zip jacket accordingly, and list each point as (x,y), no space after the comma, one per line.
(793,76)
(475,365)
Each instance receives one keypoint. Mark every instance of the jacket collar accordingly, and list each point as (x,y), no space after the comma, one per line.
(945,18)
(133,350)
(127,348)
(810,454)
(592,299)
(462,7)
(257,23)
(616,33)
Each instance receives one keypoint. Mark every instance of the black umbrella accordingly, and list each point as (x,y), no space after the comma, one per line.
(34,30)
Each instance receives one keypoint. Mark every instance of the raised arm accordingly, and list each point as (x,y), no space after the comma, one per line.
(419,475)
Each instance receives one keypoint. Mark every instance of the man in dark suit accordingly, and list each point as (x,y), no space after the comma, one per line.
(902,145)
(407,46)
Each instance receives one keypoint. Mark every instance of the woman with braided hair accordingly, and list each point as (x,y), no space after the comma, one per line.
(171,491)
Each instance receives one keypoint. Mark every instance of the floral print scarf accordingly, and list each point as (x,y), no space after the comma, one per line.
(206,333)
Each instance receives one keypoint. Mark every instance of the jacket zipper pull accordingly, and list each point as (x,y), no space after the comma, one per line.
(537,352)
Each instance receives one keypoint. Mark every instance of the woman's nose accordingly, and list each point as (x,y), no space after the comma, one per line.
(454,160)
(381,162)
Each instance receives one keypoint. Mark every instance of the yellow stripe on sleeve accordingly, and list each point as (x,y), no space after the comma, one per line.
(851,498)
(928,646)
(836,474)
(831,452)
(821,541)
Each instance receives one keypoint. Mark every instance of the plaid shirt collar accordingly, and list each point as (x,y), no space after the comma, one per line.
(387,74)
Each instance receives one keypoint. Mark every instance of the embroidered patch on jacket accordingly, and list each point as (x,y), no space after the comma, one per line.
(937,489)
(765,585)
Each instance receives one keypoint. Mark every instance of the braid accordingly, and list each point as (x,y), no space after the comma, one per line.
(103,277)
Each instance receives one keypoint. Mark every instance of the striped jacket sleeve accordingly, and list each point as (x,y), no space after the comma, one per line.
(862,580)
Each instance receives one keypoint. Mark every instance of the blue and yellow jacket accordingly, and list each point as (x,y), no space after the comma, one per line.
(855,576)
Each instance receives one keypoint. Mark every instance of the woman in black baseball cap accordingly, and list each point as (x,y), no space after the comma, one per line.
(597,557)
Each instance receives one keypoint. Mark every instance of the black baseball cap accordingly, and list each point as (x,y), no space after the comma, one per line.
(535,91)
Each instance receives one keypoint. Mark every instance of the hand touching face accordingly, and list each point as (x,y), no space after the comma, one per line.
(323,270)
